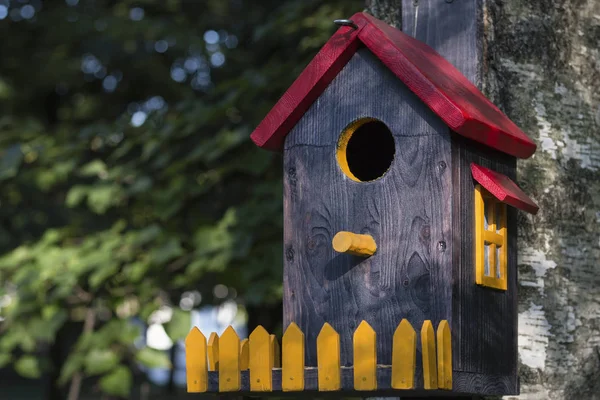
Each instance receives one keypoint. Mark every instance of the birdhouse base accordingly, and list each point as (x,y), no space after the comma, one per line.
(311,386)
(258,365)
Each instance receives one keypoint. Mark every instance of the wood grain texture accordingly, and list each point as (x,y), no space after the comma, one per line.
(503,188)
(484,332)
(407,212)
(464,384)
(431,77)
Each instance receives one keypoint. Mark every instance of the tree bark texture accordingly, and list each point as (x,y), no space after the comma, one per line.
(541,66)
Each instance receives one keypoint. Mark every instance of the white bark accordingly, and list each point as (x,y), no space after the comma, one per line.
(545,74)
(542,68)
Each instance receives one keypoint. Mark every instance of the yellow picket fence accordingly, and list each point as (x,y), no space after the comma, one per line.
(261,355)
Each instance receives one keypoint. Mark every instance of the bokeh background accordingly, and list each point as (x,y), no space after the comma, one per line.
(133,205)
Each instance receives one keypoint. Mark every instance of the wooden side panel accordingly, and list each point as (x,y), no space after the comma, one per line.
(292,364)
(365,357)
(196,366)
(407,212)
(261,360)
(404,356)
(484,333)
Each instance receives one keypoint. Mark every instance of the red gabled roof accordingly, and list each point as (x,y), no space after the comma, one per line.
(503,188)
(431,77)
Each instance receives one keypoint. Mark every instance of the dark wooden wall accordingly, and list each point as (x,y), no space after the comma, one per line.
(485,319)
(407,211)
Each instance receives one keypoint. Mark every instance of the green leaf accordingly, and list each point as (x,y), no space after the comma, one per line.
(76,195)
(99,362)
(5,358)
(179,325)
(118,382)
(73,364)
(93,168)
(167,251)
(102,197)
(28,367)
(153,358)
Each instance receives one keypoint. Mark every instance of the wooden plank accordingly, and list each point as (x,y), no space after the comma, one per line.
(196,367)
(444,356)
(407,212)
(453,28)
(261,360)
(229,361)
(428,352)
(484,327)
(244,355)
(328,356)
(213,352)
(404,356)
(365,357)
(276,351)
(464,383)
(292,365)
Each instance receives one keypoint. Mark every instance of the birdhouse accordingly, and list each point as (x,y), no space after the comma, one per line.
(400,236)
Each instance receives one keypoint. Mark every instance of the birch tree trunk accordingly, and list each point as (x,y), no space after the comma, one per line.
(541,66)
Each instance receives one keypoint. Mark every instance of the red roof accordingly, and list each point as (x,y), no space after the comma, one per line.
(431,77)
(503,188)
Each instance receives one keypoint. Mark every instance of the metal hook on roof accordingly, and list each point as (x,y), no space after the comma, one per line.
(346,22)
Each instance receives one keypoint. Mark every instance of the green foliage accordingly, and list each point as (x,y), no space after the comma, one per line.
(118,382)
(126,171)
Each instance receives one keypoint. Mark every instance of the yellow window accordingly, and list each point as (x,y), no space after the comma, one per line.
(490,240)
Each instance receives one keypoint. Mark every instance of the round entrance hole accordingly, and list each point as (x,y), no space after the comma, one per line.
(365,150)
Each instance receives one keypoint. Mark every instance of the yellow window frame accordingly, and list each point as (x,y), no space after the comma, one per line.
(494,237)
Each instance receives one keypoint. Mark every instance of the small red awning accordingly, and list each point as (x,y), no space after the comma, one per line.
(503,188)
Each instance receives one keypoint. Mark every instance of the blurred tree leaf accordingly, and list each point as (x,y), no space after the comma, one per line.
(117,382)
(179,325)
(153,358)
(128,176)
(28,367)
(100,361)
